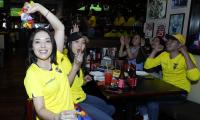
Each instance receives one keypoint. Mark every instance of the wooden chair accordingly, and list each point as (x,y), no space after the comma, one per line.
(30,111)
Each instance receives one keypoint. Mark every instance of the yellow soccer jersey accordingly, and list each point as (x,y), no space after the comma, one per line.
(77,92)
(174,70)
(130,22)
(92,21)
(78,95)
(52,85)
(119,21)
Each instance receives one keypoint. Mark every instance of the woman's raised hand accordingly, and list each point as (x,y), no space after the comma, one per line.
(74,29)
(78,59)
(31,7)
(126,40)
(122,40)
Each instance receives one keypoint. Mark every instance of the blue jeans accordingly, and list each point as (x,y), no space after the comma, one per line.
(97,108)
(152,108)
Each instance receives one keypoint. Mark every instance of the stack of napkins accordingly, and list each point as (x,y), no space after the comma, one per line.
(99,76)
(142,73)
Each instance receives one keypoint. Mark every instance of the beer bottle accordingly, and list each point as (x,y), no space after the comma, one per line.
(121,80)
(91,60)
(121,75)
(132,71)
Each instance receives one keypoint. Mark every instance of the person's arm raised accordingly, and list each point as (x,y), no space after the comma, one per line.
(189,62)
(122,53)
(57,25)
(157,49)
(78,59)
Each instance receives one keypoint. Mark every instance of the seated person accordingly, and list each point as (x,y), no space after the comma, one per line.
(131,20)
(178,67)
(119,20)
(97,108)
(156,71)
(135,53)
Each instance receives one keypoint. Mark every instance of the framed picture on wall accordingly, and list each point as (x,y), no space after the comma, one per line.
(176,23)
(179,3)
(160,31)
(156,9)
(148,29)
(194,43)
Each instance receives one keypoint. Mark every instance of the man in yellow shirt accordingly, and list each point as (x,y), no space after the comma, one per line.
(178,66)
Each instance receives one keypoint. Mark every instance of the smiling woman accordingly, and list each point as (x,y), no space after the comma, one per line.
(42,47)
(45,78)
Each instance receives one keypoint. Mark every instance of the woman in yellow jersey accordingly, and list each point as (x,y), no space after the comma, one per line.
(46,80)
(97,108)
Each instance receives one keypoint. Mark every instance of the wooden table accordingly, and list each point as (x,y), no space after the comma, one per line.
(147,89)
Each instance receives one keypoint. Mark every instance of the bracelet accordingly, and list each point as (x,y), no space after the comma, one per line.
(47,13)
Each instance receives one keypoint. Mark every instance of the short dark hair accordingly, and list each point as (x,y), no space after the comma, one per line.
(31,56)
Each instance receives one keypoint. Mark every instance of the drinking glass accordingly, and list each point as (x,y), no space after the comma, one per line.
(108,77)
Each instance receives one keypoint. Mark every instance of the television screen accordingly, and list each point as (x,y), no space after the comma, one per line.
(1,3)
(15,11)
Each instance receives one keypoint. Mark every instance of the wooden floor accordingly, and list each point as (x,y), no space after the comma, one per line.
(13,96)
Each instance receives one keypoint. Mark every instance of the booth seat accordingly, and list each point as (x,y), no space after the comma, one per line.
(186,110)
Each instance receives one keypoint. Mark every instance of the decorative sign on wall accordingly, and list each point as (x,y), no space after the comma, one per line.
(176,22)
(160,32)
(157,9)
(148,29)
(178,4)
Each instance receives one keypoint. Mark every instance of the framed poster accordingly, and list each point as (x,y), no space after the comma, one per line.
(160,32)
(148,29)
(178,4)
(194,43)
(157,9)
(176,22)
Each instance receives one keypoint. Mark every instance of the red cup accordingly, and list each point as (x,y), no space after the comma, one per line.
(132,82)
(108,77)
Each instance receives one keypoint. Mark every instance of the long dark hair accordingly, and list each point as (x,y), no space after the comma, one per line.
(32,58)
(71,55)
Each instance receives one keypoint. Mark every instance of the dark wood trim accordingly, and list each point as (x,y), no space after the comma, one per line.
(103,42)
